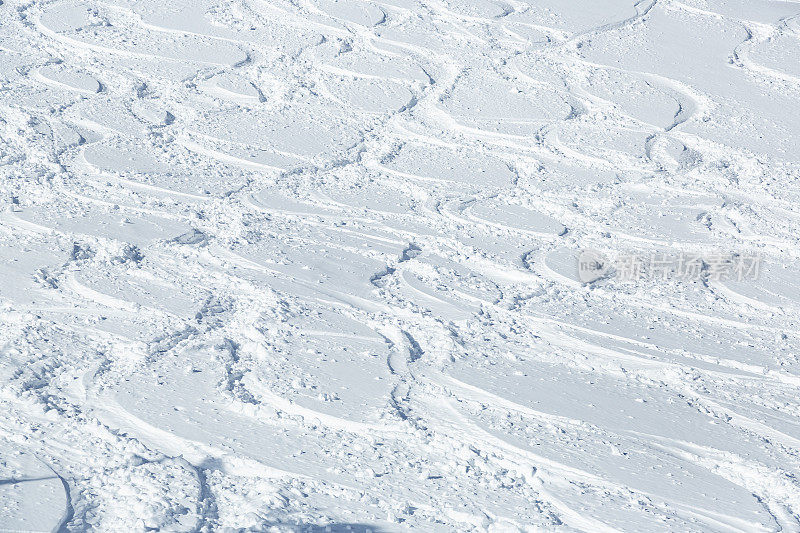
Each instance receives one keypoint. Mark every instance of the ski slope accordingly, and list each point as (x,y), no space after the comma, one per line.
(312,265)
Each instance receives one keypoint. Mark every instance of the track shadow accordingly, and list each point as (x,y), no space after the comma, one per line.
(13,481)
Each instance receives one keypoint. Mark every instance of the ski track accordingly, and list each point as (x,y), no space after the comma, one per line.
(309,266)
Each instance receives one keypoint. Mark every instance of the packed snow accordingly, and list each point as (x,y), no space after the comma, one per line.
(393,265)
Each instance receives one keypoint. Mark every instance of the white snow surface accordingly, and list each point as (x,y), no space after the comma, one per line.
(310,265)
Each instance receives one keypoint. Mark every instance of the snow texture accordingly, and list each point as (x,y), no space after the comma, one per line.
(310,265)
